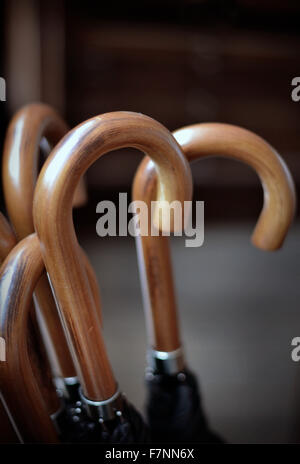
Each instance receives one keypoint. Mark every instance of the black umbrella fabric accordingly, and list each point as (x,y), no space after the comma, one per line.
(174,409)
(128,427)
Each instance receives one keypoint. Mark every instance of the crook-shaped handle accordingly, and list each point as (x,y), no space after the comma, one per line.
(213,139)
(28,128)
(22,382)
(32,124)
(199,141)
(7,242)
(53,222)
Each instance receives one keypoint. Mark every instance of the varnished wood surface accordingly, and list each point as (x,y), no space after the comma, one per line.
(7,433)
(21,154)
(22,379)
(52,213)
(7,242)
(7,238)
(197,142)
(235,142)
(26,131)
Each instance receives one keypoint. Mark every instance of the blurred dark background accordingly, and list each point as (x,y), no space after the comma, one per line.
(183,62)
(178,61)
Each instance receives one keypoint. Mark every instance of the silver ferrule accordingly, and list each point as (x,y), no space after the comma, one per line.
(103,410)
(66,386)
(166,362)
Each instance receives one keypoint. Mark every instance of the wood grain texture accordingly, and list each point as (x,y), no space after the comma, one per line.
(201,141)
(29,127)
(7,433)
(7,238)
(22,377)
(52,213)
(7,242)
(21,155)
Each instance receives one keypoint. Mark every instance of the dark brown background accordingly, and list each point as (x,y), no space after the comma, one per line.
(180,62)
(183,62)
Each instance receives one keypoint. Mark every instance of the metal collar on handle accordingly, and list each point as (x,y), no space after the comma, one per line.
(166,362)
(103,410)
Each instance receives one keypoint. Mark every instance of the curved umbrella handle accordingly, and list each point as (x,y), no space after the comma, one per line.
(27,390)
(32,124)
(52,213)
(7,242)
(200,141)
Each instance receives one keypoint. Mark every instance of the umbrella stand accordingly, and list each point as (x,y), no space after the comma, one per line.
(32,126)
(169,381)
(53,222)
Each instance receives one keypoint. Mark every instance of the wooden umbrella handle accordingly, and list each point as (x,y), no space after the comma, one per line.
(52,213)
(7,242)
(32,124)
(21,378)
(7,238)
(230,141)
(27,129)
(200,141)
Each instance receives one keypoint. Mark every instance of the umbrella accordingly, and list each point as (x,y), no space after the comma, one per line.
(32,126)
(11,431)
(52,213)
(26,385)
(174,405)
(26,388)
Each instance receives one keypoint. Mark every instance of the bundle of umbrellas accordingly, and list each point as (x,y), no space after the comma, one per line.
(56,380)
